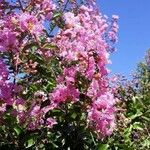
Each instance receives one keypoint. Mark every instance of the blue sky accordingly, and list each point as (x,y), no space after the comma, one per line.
(134,32)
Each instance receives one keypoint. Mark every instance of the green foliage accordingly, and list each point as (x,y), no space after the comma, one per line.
(133,118)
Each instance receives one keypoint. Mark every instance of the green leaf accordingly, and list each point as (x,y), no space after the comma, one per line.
(145,118)
(56,14)
(34,44)
(17,130)
(74,115)
(137,126)
(103,147)
(56,112)
(138,114)
(30,143)
(50,46)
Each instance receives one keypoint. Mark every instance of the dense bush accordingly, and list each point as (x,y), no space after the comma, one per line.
(133,116)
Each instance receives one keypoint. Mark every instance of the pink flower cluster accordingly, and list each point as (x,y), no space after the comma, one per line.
(30,23)
(84,40)
(7,89)
(3,71)
(46,8)
(33,118)
(114,29)
(101,115)
(12,28)
(17,29)
(64,93)
(83,47)
(36,119)
(8,40)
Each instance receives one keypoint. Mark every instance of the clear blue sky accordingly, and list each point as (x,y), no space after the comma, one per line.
(134,32)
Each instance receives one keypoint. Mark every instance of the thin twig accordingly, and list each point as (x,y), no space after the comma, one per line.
(19,1)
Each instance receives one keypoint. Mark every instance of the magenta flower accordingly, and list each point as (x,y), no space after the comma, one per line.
(30,23)
(50,122)
(64,93)
(8,41)
(101,114)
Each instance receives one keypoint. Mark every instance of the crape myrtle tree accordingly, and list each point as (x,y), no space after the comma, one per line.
(54,85)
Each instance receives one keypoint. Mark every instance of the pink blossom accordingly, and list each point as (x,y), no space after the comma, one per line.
(46,7)
(3,71)
(3,108)
(71,19)
(35,111)
(8,41)
(101,115)
(90,68)
(64,93)
(30,23)
(50,122)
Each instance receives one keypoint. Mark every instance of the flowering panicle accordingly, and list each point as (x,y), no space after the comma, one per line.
(83,40)
(101,114)
(57,68)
